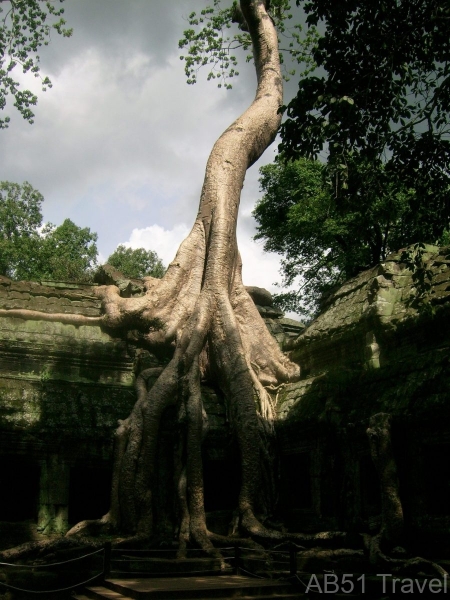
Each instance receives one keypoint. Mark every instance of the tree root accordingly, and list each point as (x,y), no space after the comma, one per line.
(39,550)
(404,566)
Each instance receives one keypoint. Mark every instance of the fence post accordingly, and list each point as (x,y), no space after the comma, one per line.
(237,559)
(292,559)
(107,560)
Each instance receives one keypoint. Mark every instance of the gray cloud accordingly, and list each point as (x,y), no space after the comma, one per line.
(120,142)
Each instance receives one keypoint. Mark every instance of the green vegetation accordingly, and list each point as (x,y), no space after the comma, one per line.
(25,26)
(30,251)
(136,263)
(212,43)
(66,253)
(323,240)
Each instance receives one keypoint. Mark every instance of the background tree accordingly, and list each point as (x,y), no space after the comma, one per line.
(66,253)
(137,263)
(20,218)
(25,26)
(322,243)
(378,106)
(30,251)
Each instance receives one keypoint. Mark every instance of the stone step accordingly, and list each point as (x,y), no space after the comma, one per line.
(238,587)
(205,587)
(127,566)
(100,592)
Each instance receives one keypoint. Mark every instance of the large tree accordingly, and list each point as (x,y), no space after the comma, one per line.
(203,310)
(322,242)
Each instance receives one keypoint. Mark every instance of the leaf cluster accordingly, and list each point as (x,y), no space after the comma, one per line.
(25,26)
(66,253)
(137,263)
(208,43)
(414,258)
(212,42)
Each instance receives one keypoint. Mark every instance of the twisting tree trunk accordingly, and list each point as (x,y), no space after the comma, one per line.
(202,307)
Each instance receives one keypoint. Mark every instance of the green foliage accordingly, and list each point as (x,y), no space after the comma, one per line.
(381,96)
(67,252)
(212,43)
(20,218)
(295,220)
(377,108)
(414,257)
(444,240)
(324,240)
(25,26)
(136,263)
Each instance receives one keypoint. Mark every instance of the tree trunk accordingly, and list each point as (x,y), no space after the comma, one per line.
(379,434)
(202,307)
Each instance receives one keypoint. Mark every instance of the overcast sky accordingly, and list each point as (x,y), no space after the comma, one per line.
(121,141)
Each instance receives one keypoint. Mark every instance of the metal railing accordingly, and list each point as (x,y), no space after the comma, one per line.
(35,569)
(126,562)
(236,556)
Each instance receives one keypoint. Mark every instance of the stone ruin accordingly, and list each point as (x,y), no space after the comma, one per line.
(376,347)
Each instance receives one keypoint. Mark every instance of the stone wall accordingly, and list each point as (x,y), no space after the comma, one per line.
(62,390)
(377,347)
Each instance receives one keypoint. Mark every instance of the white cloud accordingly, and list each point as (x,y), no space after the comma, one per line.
(258,268)
(164,242)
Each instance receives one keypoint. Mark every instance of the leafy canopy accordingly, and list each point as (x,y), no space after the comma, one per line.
(137,263)
(67,253)
(381,95)
(25,26)
(377,110)
(20,218)
(212,42)
(323,243)
(32,252)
